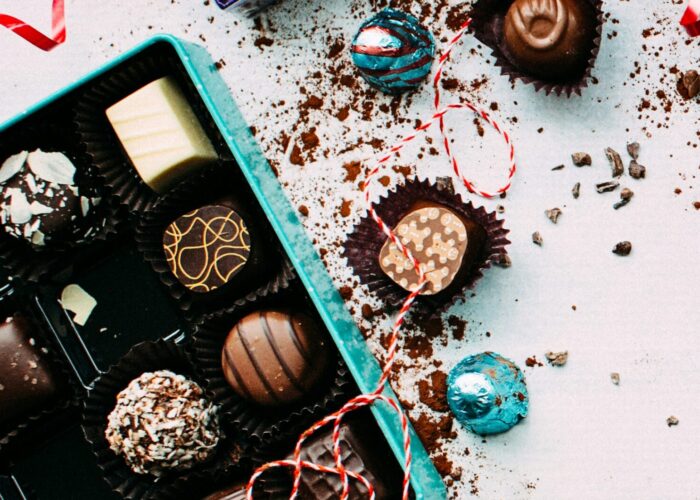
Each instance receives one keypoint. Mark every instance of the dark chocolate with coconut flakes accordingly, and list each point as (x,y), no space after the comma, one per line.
(40,201)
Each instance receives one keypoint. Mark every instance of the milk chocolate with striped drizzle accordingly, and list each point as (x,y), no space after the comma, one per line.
(207,247)
(445,243)
(275,358)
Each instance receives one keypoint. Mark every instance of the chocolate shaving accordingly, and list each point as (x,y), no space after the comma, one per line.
(576,191)
(623,248)
(581,159)
(537,238)
(633,150)
(671,421)
(625,197)
(557,358)
(615,378)
(503,260)
(618,168)
(553,214)
(558,167)
(606,187)
(636,170)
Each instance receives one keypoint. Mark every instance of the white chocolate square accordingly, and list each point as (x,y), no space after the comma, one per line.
(161,134)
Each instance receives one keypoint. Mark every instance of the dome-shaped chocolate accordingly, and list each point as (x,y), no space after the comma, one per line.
(550,39)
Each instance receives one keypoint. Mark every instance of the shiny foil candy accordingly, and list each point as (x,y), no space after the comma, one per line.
(249,8)
(393,52)
(487,393)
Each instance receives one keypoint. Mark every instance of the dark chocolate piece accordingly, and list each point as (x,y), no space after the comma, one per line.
(275,358)
(364,450)
(636,170)
(236,492)
(207,248)
(551,39)
(445,243)
(27,382)
(40,201)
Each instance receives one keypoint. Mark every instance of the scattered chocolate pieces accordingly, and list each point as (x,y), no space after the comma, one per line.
(615,378)
(671,421)
(636,170)
(558,167)
(606,187)
(623,248)
(618,168)
(689,84)
(576,191)
(633,150)
(557,358)
(553,214)
(500,209)
(625,197)
(503,260)
(537,238)
(581,159)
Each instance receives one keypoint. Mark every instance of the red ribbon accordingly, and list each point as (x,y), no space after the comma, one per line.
(35,37)
(691,19)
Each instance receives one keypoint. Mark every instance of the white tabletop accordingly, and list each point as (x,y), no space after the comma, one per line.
(639,315)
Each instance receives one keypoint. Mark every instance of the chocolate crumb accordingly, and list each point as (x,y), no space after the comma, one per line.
(558,167)
(688,85)
(637,171)
(626,194)
(696,204)
(606,187)
(618,168)
(503,260)
(581,159)
(532,361)
(633,150)
(671,421)
(623,248)
(500,209)
(304,210)
(367,311)
(615,378)
(576,191)
(553,214)
(537,238)
(557,358)
(345,208)
(346,292)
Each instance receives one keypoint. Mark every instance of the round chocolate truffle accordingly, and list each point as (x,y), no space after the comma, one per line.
(275,358)
(445,243)
(162,422)
(207,247)
(550,39)
(40,201)
(487,393)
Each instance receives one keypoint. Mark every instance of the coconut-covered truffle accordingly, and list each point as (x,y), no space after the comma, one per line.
(40,201)
(161,423)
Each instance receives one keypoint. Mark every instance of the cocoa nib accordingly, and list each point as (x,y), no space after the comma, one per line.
(636,170)
(623,248)
(618,168)
(581,159)
(553,214)
(606,187)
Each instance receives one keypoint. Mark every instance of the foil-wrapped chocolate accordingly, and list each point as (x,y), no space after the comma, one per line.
(393,52)
(249,8)
(487,393)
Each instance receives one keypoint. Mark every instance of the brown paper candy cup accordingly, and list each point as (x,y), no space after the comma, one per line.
(265,425)
(32,265)
(487,26)
(145,357)
(364,244)
(99,138)
(267,271)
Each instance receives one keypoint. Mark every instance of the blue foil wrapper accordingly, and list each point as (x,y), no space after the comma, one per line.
(487,393)
(247,7)
(393,52)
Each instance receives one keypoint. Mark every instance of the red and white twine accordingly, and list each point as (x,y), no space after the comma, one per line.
(378,394)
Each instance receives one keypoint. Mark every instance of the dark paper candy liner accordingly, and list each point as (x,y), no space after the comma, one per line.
(487,26)
(17,257)
(99,138)
(101,399)
(11,435)
(270,276)
(265,425)
(364,244)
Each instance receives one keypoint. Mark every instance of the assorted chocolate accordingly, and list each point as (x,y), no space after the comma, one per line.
(275,358)
(28,381)
(207,247)
(161,134)
(487,393)
(40,201)
(162,422)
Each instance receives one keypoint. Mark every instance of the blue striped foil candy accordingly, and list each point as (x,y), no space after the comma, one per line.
(393,52)
(487,393)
